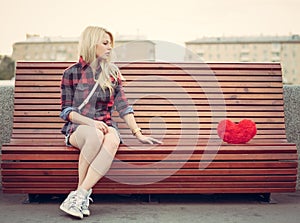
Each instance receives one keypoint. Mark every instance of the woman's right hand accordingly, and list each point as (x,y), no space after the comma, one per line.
(100,125)
(77,118)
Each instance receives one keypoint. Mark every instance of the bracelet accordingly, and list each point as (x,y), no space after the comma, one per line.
(135,131)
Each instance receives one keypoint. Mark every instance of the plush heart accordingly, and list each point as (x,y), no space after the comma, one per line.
(233,133)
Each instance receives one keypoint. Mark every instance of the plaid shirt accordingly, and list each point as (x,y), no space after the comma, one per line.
(76,84)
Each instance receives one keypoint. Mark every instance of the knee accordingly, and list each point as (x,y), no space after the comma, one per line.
(95,137)
(94,141)
(112,146)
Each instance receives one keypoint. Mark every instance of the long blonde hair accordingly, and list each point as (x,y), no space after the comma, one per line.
(90,37)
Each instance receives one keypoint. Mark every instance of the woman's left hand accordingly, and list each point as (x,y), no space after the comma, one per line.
(147,140)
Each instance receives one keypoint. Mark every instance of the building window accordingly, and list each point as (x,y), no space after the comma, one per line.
(265,55)
(276,47)
(200,54)
(244,57)
(275,56)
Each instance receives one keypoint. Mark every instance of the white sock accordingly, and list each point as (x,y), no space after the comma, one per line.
(82,191)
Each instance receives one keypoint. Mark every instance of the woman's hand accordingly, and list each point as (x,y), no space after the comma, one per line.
(77,118)
(146,139)
(100,125)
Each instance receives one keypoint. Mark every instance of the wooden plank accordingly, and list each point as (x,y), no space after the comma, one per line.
(138,179)
(149,101)
(153,126)
(163,70)
(203,120)
(154,172)
(159,90)
(159,65)
(167,141)
(179,113)
(172,79)
(191,96)
(164,149)
(130,165)
(150,190)
(163,185)
(55,133)
(153,131)
(146,108)
(21,78)
(146,157)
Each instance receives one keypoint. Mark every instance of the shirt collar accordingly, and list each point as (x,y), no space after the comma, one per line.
(82,62)
(84,65)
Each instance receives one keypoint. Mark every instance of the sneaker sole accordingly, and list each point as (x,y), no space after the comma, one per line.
(86,214)
(71,213)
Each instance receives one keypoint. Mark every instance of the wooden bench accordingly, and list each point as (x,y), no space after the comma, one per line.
(180,104)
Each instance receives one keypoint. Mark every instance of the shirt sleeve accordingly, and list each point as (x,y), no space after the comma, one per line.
(67,95)
(121,102)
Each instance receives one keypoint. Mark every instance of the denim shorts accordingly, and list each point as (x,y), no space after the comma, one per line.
(67,140)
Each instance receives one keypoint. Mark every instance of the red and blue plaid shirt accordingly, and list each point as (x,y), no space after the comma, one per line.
(76,84)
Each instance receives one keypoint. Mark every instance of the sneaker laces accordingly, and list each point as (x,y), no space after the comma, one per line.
(76,201)
(86,202)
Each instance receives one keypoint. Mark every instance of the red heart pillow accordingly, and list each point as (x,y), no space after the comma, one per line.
(231,132)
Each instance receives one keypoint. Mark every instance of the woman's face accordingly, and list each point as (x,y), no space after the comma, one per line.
(103,49)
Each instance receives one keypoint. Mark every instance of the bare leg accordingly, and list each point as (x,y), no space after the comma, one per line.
(102,162)
(89,140)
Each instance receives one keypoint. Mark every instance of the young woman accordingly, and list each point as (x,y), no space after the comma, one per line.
(89,127)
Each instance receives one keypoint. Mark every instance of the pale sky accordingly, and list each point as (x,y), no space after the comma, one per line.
(163,20)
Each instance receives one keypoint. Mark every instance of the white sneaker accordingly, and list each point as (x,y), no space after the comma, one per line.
(72,205)
(85,205)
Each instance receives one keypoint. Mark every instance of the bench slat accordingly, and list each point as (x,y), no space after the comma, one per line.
(146,157)
(202,120)
(157,172)
(163,89)
(120,165)
(136,190)
(134,179)
(220,149)
(160,185)
(22,80)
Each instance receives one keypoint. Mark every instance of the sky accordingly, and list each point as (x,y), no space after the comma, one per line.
(162,20)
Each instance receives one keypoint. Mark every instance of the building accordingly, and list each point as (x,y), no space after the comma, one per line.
(134,50)
(36,48)
(283,49)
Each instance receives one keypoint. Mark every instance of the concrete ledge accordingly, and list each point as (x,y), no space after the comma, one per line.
(6,112)
(291,96)
(291,107)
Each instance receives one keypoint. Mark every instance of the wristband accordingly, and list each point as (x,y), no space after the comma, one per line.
(135,131)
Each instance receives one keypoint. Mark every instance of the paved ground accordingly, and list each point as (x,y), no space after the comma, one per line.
(176,208)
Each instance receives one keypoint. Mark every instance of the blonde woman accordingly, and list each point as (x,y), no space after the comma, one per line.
(91,129)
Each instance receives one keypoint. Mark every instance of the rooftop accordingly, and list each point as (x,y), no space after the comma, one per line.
(248,39)
(34,38)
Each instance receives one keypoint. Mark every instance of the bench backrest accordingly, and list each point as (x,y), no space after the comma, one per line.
(173,99)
